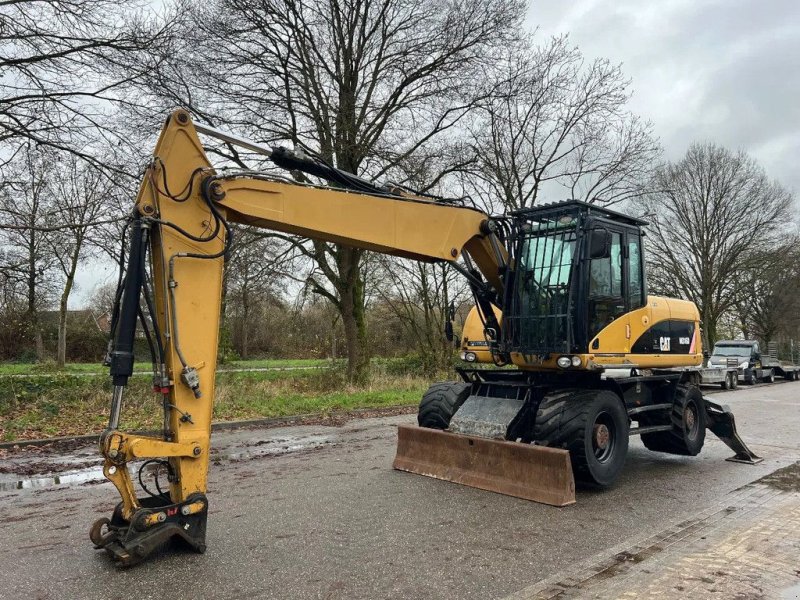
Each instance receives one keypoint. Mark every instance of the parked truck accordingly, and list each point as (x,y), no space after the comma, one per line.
(752,365)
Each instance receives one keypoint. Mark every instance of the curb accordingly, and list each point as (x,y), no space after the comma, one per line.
(220,425)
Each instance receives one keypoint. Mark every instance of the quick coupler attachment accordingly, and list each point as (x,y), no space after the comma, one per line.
(722,424)
(155,523)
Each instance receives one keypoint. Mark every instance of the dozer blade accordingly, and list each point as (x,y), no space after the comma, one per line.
(522,470)
(722,424)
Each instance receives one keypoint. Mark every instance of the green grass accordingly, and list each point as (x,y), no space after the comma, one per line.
(66,403)
(277,363)
(14,368)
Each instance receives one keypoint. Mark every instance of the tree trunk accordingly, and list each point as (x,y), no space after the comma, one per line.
(61,355)
(39,343)
(710,328)
(245,325)
(351,307)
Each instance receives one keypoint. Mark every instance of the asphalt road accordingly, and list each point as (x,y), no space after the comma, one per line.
(317,512)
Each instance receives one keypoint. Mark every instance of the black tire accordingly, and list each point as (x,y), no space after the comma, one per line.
(440,403)
(726,383)
(592,425)
(688,433)
(753,379)
(734,380)
(770,377)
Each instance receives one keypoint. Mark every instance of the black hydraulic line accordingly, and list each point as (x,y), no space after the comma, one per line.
(186,234)
(483,295)
(148,299)
(189,373)
(122,351)
(118,292)
(291,161)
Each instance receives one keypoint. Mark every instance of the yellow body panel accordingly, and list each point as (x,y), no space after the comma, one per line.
(614,342)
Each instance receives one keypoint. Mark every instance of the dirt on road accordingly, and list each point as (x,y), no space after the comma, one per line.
(315,511)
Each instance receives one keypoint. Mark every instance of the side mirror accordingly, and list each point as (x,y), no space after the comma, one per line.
(600,243)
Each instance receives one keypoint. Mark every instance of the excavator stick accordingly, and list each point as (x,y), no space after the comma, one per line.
(536,473)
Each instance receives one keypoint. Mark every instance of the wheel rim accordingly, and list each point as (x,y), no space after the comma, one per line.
(604,437)
(691,424)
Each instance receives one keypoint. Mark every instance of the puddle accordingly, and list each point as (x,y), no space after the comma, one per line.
(35,483)
(792,593)
(278,447)
(275,447)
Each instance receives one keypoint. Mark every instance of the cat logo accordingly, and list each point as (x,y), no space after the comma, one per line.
(664,343)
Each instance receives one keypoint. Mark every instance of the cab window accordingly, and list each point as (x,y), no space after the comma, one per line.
(606,273)
(606,301)
(635,298)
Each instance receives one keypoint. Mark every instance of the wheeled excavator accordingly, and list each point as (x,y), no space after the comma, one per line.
(565,354)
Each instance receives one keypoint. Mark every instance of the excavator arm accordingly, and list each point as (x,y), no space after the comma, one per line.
(179,235)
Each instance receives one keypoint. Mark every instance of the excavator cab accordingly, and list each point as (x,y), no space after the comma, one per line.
(574,268)
(578,268)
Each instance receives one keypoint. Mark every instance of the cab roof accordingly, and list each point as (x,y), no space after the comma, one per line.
(576,207)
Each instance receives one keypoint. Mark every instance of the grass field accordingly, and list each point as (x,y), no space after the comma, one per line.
(39,368)
(51,403)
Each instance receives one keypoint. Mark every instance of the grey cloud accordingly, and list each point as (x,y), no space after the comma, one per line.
(727,71)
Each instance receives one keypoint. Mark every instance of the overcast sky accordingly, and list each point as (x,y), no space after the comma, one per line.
(721,70)
(726,71)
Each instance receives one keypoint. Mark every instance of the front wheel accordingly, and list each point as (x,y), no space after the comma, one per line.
(593,426)
(440,403)
(688,433)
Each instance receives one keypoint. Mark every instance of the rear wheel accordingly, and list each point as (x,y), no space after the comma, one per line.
(440,403)
(592,425)
(726,382)
(688,433)
(734,380)
(769,377)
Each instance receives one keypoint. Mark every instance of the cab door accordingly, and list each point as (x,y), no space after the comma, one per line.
(617,299)
(606,289)
(639,313)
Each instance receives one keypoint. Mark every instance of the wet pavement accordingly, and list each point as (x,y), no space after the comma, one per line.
(315,511)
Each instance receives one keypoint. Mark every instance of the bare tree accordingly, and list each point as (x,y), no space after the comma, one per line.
(769,294)
(364,84)
(56,57)
(26,206)
(253,280)
(420,297)
(554,123)
(80,192)
(712,215)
